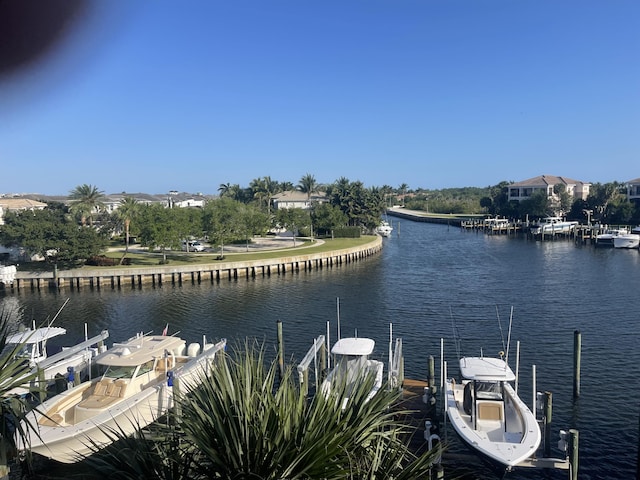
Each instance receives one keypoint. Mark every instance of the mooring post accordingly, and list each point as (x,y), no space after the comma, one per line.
(548,400)
(432,375)
(176,395)
(573,454)
(42,385)
(280,350)
(638,458)
(577,348)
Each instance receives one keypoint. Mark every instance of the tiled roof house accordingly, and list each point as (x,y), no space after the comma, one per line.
(18,204)
(520,191)
(297,199)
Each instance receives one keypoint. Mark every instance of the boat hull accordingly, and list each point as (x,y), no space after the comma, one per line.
(67,436)
(502,445)
(627,241)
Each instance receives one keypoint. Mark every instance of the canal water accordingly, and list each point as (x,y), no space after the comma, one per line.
(431,282)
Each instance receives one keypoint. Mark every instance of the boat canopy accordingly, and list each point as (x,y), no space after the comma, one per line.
(353,346)
(486,369)
(35,336)
(140,350)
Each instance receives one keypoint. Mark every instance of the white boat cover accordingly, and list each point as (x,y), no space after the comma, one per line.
(353,346)
(486,369)
(37,335)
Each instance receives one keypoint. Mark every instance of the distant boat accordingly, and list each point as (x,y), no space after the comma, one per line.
(607,238)
(552,225)
(627,240)
(384,229)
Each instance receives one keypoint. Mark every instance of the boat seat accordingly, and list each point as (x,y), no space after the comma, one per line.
(105,393)
(52,420)
(489,411)
(162,364)
(101,387)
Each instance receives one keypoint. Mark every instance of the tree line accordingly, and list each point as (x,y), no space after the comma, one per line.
(606,202)
(68,234)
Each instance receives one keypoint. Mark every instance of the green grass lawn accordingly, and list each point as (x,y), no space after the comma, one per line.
(192,258)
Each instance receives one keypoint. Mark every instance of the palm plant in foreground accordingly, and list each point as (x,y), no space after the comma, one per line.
(14,372)
(244,421)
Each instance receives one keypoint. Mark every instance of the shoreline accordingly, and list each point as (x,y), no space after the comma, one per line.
(137,276)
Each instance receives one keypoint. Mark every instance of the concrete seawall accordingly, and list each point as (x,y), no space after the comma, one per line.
(420,216)
(209,272)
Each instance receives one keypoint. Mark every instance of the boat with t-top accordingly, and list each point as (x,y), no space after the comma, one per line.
(487,413)
(73,363)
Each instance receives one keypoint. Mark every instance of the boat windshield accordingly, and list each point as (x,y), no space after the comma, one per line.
(24,351)
(114,371)
(489,390)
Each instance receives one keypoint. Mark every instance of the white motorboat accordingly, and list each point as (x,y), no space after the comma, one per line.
(72,363)
(627,240)
(352,365)
(135,390)
(607,238)
(384,229)
(488,415)
(553,225)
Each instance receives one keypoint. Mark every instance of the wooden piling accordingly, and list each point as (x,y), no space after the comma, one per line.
(280,350)
(573,454)
(42,385)
(432,375)
(548,401)
(577,350)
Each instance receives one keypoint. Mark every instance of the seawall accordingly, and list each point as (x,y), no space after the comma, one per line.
(106,277)
(420,216)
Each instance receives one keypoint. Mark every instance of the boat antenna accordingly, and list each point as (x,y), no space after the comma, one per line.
(328,347)
(58,313)
(338,314)
(506,360)
(456,336)
(504,347)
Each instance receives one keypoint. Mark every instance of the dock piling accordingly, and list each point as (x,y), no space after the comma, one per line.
(577,349)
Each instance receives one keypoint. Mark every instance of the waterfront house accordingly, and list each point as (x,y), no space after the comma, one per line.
(633,191)
(523,190)
(18,204)
(297,199)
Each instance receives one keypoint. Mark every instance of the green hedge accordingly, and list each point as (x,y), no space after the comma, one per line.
(347,232)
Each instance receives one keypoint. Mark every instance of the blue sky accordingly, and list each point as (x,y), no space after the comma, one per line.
(157,95)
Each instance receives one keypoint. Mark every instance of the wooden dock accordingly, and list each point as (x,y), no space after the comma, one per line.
(418,412)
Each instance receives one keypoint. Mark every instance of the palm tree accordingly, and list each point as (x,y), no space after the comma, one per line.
(245,420)
(86,200)
(263,189)
(128,209)
(14,372)
(308,185)
(403,190)
(224,189)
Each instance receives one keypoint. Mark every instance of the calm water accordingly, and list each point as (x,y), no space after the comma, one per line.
(428,281)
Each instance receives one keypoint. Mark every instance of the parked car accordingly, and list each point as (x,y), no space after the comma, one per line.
(193,246)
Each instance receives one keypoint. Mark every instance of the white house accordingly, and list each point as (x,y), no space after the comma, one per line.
(520,191)
(18,204)
(297,199)
(633,190)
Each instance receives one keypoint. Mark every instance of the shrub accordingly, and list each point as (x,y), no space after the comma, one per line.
(347,232)
(101,261)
